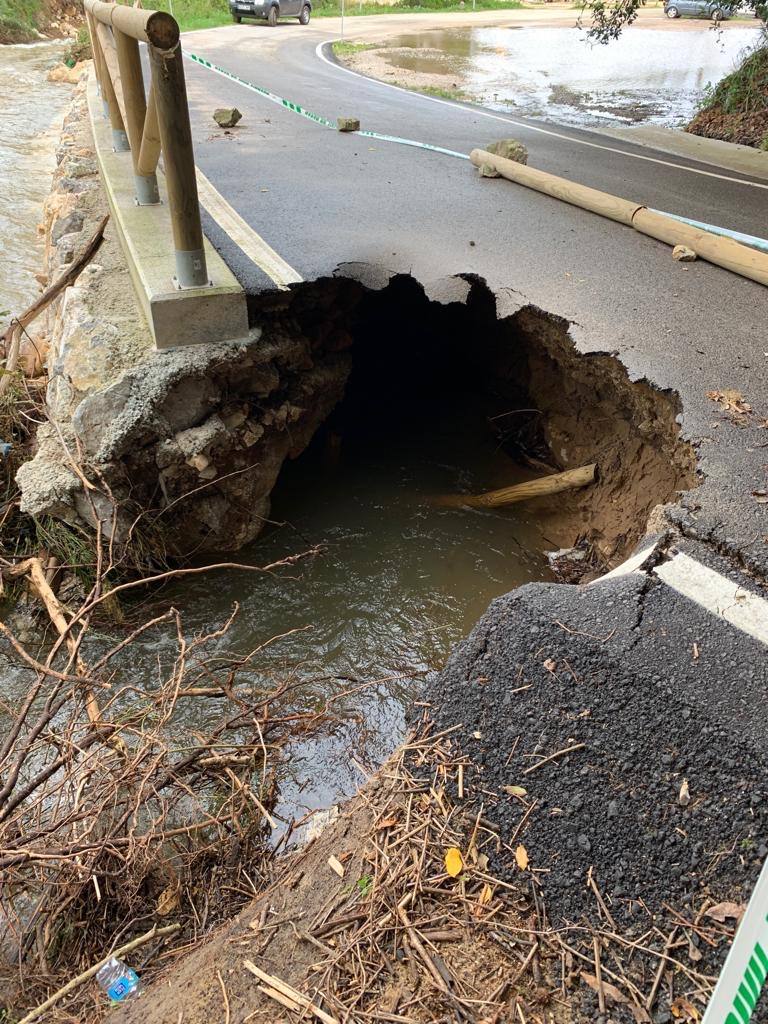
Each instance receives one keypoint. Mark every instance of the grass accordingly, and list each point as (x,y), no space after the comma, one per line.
(745,90)
(20,20)
(347,49)
(354,8)
(193,14)
(738,103)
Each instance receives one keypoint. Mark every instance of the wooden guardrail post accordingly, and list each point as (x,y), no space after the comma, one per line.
(154,125)
(179,165)
(107,89)
(132,80)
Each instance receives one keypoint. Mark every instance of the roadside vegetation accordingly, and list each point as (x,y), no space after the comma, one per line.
(20,20)
(736,108)
(332,8)
(192,14)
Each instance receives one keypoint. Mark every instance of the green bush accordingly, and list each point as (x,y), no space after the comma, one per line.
(745,90)
(19,20)
(79,48)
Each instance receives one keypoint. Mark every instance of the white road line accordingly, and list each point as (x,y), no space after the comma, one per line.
(534,128)
(243,235)
(717,594)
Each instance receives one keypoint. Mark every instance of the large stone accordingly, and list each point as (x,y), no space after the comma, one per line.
(226,117)
(71,224)
(510,149)
(348,124)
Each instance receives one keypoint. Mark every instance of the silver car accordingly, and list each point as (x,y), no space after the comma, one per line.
(695,9)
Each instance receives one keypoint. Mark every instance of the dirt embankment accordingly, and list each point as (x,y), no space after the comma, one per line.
(737,108)
(24,21)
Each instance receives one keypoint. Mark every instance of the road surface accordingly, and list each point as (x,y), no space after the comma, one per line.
(322,199)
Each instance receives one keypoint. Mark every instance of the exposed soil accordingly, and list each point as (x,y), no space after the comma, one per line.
(54,19)
(747,128)
(396,938)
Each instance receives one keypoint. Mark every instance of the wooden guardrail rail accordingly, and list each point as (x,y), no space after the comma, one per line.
(145,125)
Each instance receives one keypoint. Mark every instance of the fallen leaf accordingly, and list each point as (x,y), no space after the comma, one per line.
(482,861)
(684,796)
(550,665)
(515,790)
(611,992)
(731,401)
(335,865)
(386,823)
(454,862)
(486,895)
(683,1009)
(694,954)
(521,857)
(477,734)
(168,900)
(723,912)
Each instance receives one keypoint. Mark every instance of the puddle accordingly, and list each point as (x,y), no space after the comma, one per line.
(654,76)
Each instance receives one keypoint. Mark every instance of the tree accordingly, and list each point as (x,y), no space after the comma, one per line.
(608,18)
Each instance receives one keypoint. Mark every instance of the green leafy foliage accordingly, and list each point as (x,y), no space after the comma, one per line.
(606,19)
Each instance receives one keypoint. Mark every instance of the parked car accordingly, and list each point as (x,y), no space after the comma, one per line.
(271,10)
(695,9)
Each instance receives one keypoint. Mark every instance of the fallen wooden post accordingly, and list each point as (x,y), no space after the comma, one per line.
(717,249)
(554,484)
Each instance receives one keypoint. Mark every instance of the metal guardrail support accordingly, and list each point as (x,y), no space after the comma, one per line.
(149,126)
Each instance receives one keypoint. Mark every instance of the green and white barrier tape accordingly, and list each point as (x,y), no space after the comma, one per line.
(750,240)
(317,118)
(743,975)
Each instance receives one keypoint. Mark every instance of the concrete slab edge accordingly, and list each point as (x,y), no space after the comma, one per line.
(726,155)
(192,316)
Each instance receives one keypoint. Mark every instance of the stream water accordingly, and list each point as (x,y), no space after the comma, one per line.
(30,112)
(400,581)
(648,75)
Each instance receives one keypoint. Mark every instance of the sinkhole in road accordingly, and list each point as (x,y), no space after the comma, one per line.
(423,397)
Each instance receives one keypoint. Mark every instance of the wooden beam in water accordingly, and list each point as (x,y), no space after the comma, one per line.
(570,479)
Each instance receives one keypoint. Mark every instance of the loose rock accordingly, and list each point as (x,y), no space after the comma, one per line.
(227,117)
(348,124)
(683,254)
(510,149)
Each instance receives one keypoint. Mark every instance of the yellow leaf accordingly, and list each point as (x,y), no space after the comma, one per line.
(453,861)
(486,895)
(515,790)
(521,856)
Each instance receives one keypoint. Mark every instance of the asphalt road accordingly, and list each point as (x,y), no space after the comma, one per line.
(324,200)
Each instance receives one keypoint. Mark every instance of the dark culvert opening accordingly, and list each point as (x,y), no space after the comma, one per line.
(514,386)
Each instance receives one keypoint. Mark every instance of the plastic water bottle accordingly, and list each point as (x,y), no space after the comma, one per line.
(118,980)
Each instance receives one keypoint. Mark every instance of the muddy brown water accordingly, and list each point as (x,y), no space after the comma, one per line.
(31,109)
(648,75)
(399,583)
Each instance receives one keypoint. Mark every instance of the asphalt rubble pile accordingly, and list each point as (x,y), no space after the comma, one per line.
(648,832)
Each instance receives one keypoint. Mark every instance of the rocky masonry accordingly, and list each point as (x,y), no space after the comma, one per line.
(160,428)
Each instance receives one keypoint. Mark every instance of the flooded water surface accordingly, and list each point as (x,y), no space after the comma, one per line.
(648,75)
(30,111)
(400,580)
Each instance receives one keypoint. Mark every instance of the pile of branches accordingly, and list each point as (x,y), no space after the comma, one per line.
(115,819)
(426,933)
